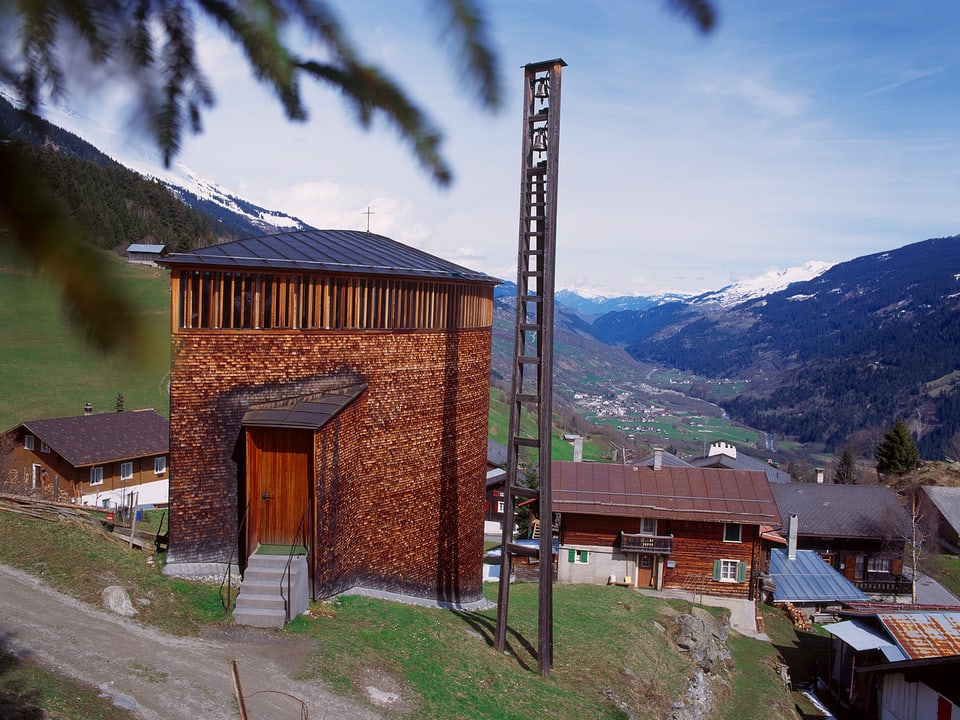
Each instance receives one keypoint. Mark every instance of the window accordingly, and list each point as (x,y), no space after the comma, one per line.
(126,471)
(500,507)
(731,571)
(44,448)
(160,465)
(858,568)
(96,475)
(578,557)
(28,442)
(732,532)
(646,562)
(878,565)
(648,526)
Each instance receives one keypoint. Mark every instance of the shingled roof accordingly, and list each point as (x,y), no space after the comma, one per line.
(86,440)
(677,493)
(849,511)
(327,251)
(947,501)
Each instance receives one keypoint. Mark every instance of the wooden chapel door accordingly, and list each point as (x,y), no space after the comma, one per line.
(279,480)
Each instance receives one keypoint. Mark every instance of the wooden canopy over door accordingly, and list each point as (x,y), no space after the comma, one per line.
(279,484)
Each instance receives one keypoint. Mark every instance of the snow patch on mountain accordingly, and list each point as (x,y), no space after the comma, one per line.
(770,282)
(148,162)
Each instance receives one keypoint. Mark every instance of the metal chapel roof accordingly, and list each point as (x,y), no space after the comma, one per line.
(328,251)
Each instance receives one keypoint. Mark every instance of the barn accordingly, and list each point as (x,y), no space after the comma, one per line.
(329,390)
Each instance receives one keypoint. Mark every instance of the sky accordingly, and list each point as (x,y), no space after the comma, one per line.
(813,130)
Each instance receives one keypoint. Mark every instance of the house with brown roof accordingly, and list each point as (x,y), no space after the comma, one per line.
(664,528)
(858,529)
(99,459)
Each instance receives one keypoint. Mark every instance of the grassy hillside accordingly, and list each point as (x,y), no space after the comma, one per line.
(49,370)
(613,646)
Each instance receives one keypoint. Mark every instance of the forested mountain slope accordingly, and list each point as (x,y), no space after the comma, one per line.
(833,359)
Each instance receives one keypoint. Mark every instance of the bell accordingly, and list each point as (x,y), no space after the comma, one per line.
(539,141)
(541,88)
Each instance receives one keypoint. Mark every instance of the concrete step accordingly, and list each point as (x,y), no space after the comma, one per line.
(262,602)
(259,617)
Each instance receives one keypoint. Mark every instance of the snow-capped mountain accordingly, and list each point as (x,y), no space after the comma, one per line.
(146,160)
(770,282)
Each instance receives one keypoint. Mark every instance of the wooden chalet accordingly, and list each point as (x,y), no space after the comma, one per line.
(92,459)
(329,391)
(664,528)
(858,529)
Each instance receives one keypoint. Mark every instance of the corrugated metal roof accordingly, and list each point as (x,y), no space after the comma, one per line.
(86,440)
(808,578)
(307,412)
(327,251)
(924,635)
(828,510)
(144,248)
(862,636)
(706,494)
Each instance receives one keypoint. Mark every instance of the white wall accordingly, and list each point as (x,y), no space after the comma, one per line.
(902,700)
(602,562)
(149,493)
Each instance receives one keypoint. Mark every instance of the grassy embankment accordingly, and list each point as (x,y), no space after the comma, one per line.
(609,642)
(49,370)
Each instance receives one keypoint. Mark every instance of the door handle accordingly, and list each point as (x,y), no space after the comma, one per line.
(266,496)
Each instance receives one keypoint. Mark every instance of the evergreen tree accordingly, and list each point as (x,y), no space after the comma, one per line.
(897,453)
(846,470)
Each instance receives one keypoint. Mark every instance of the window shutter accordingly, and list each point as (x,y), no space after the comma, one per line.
(741,571)
(716,569)
(584,556)
(572,556)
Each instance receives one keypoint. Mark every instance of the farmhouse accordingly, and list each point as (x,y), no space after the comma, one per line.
(943,503)
(329,391)
(859,530)
(95,459)
(662,527)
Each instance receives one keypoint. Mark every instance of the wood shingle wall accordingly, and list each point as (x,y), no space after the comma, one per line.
(400,474)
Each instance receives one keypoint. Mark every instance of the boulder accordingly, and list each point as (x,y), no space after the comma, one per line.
(116,600)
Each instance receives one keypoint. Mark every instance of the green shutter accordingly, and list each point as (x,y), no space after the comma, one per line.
(741,571)
(584,556)
(572,556)
(716,569)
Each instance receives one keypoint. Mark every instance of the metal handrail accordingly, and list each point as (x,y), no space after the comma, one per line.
(301,534)
(228,574)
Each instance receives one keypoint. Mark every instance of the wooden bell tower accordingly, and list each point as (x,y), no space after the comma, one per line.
(531,390)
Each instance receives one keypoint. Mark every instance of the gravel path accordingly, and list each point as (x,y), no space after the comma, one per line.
(159,676)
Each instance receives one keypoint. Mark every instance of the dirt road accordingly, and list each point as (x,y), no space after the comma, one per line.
(159,676)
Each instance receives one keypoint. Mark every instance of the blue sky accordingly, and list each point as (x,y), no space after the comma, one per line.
(796,131)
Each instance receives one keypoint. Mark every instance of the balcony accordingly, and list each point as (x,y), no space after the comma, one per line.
(647,544)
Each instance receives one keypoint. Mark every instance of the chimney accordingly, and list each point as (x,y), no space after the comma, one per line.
(820,475)
(792,526)
(657,458)
(88,409)
(723,448)
(577,441)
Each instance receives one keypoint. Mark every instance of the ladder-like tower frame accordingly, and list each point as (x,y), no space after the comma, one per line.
(531,389)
